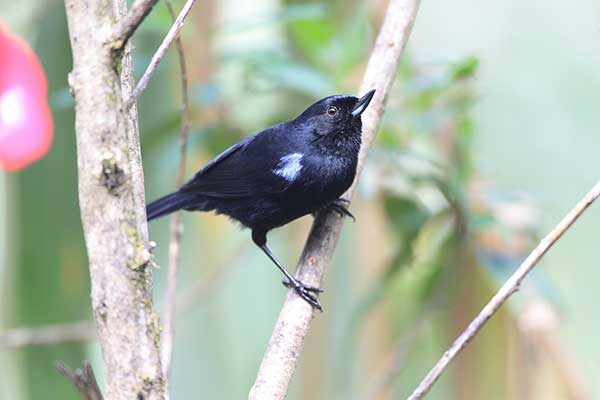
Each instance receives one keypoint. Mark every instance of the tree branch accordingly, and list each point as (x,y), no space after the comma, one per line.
(287,340)
(112,205)
(126,26)
(83,379)
(509,287)
(160,53)
(49,334)
(176,228)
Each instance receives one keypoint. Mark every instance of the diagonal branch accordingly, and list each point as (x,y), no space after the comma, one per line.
(160,53)
(127,25)
(176,228)
(509,287)
(287,340)
(83,379)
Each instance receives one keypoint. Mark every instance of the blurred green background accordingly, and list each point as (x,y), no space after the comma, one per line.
(491,135)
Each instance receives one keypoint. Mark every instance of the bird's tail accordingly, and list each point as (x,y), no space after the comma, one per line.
(168,204)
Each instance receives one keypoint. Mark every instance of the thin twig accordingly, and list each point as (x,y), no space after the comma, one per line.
(49,334)
(83,379)
(176,228)
(285,345)
(509,287)
(160,53)
(127,25)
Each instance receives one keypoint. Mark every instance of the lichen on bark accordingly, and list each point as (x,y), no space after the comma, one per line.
(111,198)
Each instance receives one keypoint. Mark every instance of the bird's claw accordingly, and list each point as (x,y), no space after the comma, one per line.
(339,206)
(308,293)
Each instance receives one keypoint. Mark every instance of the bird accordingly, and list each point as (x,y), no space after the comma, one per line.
(280,174)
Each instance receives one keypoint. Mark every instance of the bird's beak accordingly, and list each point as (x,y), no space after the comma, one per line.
(362,104)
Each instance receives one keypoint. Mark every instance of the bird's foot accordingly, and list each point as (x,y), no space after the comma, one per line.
(339,206)
(308,293)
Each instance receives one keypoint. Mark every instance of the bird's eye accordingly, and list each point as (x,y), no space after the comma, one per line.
(332,111)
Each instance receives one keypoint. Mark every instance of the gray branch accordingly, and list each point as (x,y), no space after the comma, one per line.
(160,53)
(287,340)
(127,25)
(111,200)
(84,380)
(509,287)
(49,334)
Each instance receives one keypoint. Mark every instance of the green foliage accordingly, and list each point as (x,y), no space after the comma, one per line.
(429,206)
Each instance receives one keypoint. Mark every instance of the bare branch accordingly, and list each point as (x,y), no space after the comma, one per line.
(176,228)
(112,205)
(50,334)
(287,340)
(127,25)
(509,287)
(160,53)
(83,379)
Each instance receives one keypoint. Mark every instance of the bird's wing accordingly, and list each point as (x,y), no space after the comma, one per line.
(245,169)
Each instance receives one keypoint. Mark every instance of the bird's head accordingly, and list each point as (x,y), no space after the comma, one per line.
(335,117)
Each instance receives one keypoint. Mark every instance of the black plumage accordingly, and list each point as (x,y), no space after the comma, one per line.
(280,174)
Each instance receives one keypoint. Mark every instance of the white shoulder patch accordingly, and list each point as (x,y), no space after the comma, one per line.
(289,166)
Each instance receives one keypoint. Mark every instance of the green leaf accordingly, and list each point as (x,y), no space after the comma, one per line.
(311,36)
(465,69)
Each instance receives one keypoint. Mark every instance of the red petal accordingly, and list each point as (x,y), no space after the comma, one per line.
(25,119)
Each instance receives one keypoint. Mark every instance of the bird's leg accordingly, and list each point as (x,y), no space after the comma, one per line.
(339,206)
(308,293)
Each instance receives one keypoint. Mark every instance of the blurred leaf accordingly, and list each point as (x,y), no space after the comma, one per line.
(271,70)
(301,78)
(423,244)
(465,69)
(348,46)
(293,13)
(405,216)
(431,238)
(312,36)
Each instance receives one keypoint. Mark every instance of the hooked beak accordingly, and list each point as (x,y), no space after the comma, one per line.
(362,104)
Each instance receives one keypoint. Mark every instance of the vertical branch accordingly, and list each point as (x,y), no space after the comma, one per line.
(176,228)
(287,340)
(111,200)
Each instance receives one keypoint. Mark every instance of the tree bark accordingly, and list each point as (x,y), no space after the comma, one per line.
(111,199)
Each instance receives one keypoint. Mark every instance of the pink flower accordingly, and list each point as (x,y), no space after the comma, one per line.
(25,120)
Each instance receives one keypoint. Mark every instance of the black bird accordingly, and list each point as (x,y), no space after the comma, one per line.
(280,174)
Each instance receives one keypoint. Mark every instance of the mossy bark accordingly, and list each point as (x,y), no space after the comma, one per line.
(111,200)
